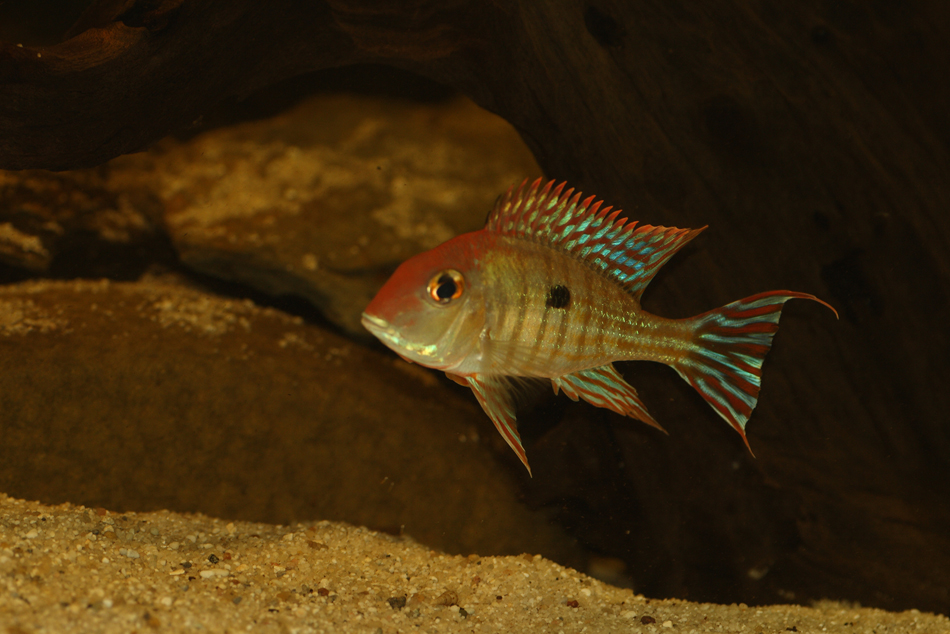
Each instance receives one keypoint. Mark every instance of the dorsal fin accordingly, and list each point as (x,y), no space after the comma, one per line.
(627,254)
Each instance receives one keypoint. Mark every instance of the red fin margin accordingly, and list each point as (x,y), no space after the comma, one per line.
(494,395)
(729,345)
(604,387)
(616,247)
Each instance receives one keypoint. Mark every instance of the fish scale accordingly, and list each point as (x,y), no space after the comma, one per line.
(551,288)
(560,340)
(602,320)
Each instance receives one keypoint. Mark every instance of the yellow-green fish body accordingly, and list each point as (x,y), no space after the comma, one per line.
(555,317)
(550,288)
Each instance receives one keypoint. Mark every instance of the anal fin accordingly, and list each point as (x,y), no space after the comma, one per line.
(494,395)
(604,387)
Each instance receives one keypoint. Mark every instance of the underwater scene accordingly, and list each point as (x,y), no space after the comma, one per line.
(350,316)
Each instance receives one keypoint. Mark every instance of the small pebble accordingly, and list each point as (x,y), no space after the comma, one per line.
(214,572)
(447,598)
(396,603)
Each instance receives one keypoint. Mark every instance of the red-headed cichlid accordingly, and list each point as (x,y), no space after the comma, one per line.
(550,289)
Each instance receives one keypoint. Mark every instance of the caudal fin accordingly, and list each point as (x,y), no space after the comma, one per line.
(729,346)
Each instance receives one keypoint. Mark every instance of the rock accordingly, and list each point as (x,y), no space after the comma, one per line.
(45,213)
(325,200)
(320,202)
(144,396)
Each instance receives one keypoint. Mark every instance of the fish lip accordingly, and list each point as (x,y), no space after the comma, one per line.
(374,323)
(384,331)
(380,328)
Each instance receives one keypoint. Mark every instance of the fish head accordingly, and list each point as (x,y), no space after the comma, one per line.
(431,311)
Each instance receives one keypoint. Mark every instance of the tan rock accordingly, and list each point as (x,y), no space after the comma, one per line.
(324,200)
(150,395)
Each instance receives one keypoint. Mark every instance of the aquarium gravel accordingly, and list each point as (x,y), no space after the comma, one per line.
(76,569)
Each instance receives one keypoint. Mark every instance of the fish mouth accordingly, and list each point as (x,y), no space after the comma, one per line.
(372,322)
(380,328)
(384,331)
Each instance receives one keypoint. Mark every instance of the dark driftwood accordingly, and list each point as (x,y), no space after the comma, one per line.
(813,137)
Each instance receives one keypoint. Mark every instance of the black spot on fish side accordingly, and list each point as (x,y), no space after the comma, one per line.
(603,28)
(558,297)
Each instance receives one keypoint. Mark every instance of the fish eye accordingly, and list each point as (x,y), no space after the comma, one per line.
(446,286)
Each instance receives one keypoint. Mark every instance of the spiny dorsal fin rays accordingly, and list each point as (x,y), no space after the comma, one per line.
(628,254)
(648,250)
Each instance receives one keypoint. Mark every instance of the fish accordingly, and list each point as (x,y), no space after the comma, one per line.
(550,289)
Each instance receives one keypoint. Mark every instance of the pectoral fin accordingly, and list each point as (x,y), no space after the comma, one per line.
(494,395)
(604,387)
(461,380)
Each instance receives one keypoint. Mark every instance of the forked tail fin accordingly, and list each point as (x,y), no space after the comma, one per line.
(724,363)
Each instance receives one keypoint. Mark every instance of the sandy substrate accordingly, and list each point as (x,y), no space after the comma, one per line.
(70,568)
